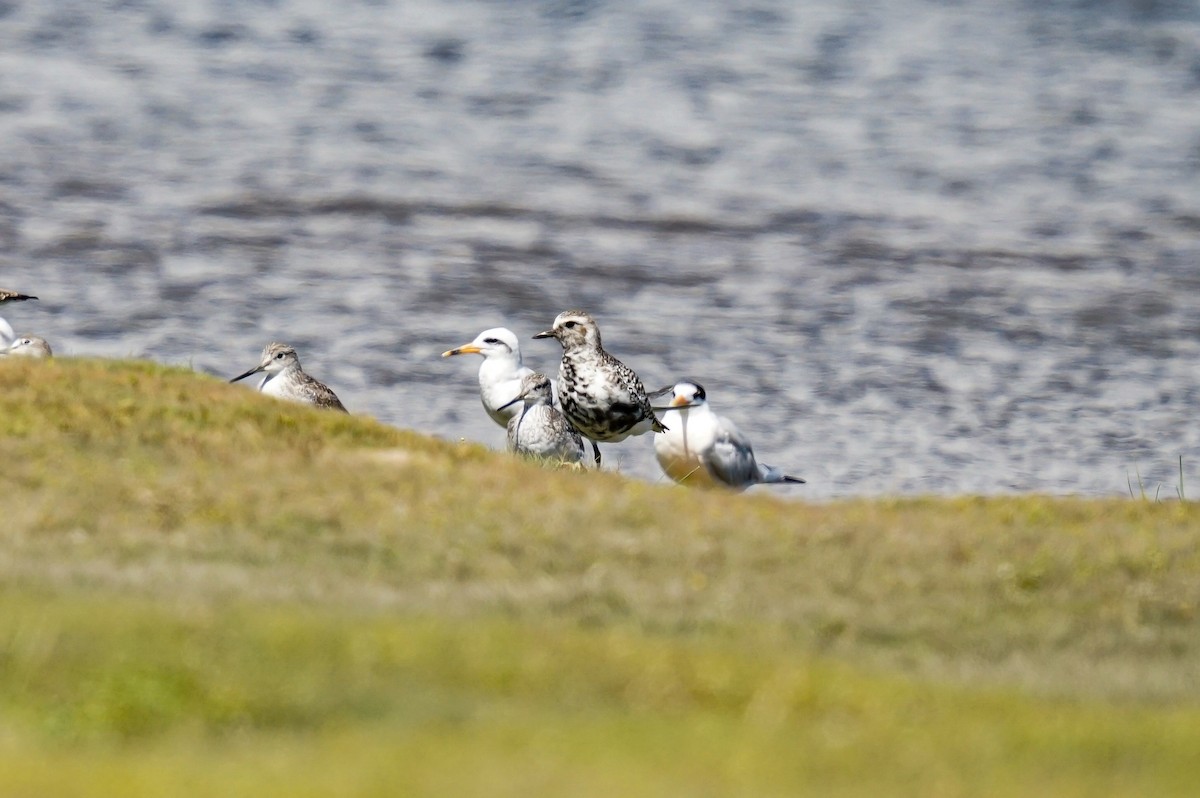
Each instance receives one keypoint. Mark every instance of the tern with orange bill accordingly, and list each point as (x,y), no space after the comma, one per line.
(500,373)
(704,449)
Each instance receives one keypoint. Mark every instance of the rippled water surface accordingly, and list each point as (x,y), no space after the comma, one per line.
(908,246)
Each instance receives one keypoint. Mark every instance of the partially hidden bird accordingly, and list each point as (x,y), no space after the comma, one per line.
(539,429)
(28,346)
(287,380)
(500,373)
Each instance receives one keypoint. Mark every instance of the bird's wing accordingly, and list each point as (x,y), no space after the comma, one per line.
(628,388)
(631,399)
(731,459)
(325,397)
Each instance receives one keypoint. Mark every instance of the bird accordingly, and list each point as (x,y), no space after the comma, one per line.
(286,379)
(707,450)
(13,296)
(601,396)
(7,336)
(539,429)
(500,373)
(28,346)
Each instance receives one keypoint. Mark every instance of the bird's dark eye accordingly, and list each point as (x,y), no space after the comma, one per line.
(491,340)
(570,325)
(279,356)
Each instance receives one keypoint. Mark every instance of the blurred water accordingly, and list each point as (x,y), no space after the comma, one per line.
(908,246)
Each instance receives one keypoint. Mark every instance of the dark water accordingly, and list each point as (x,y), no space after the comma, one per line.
(909,246)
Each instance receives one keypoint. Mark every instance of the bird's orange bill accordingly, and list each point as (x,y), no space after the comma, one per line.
(468,349)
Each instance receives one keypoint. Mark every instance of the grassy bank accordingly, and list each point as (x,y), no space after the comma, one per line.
(203,591)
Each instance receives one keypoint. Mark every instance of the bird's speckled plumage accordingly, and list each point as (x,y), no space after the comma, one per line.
(500,373)
(538,429)
(601,396)
(286,379)
(28,346)
(707,450)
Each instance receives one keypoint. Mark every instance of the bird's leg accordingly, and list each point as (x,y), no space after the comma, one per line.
(596,453)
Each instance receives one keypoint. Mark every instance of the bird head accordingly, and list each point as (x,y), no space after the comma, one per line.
(496,342)
(275,358)
(535,389)
(573,329)
(684,394)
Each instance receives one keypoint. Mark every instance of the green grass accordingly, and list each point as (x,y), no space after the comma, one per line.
(206,591)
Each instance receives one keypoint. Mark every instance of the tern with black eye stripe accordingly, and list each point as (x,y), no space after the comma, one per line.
(707,450)
(500,373)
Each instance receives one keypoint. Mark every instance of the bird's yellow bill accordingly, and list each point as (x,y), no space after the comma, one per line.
(469,349)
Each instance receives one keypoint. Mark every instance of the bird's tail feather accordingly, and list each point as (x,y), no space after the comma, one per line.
(772,474)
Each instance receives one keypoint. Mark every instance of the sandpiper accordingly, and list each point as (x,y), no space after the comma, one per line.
(286,380)
(7,335)
(500,373)
(538,428)
(707,450)
(28,346)
(601,396)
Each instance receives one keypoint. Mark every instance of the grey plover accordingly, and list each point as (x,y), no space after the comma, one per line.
(707,450)
(601,396)
(286,380)
(500,372)
(28,346)
(539,429)
(7,336)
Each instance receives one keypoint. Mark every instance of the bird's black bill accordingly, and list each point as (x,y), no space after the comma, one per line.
(545,334)
(672,407)
(510,404)
(254,370)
